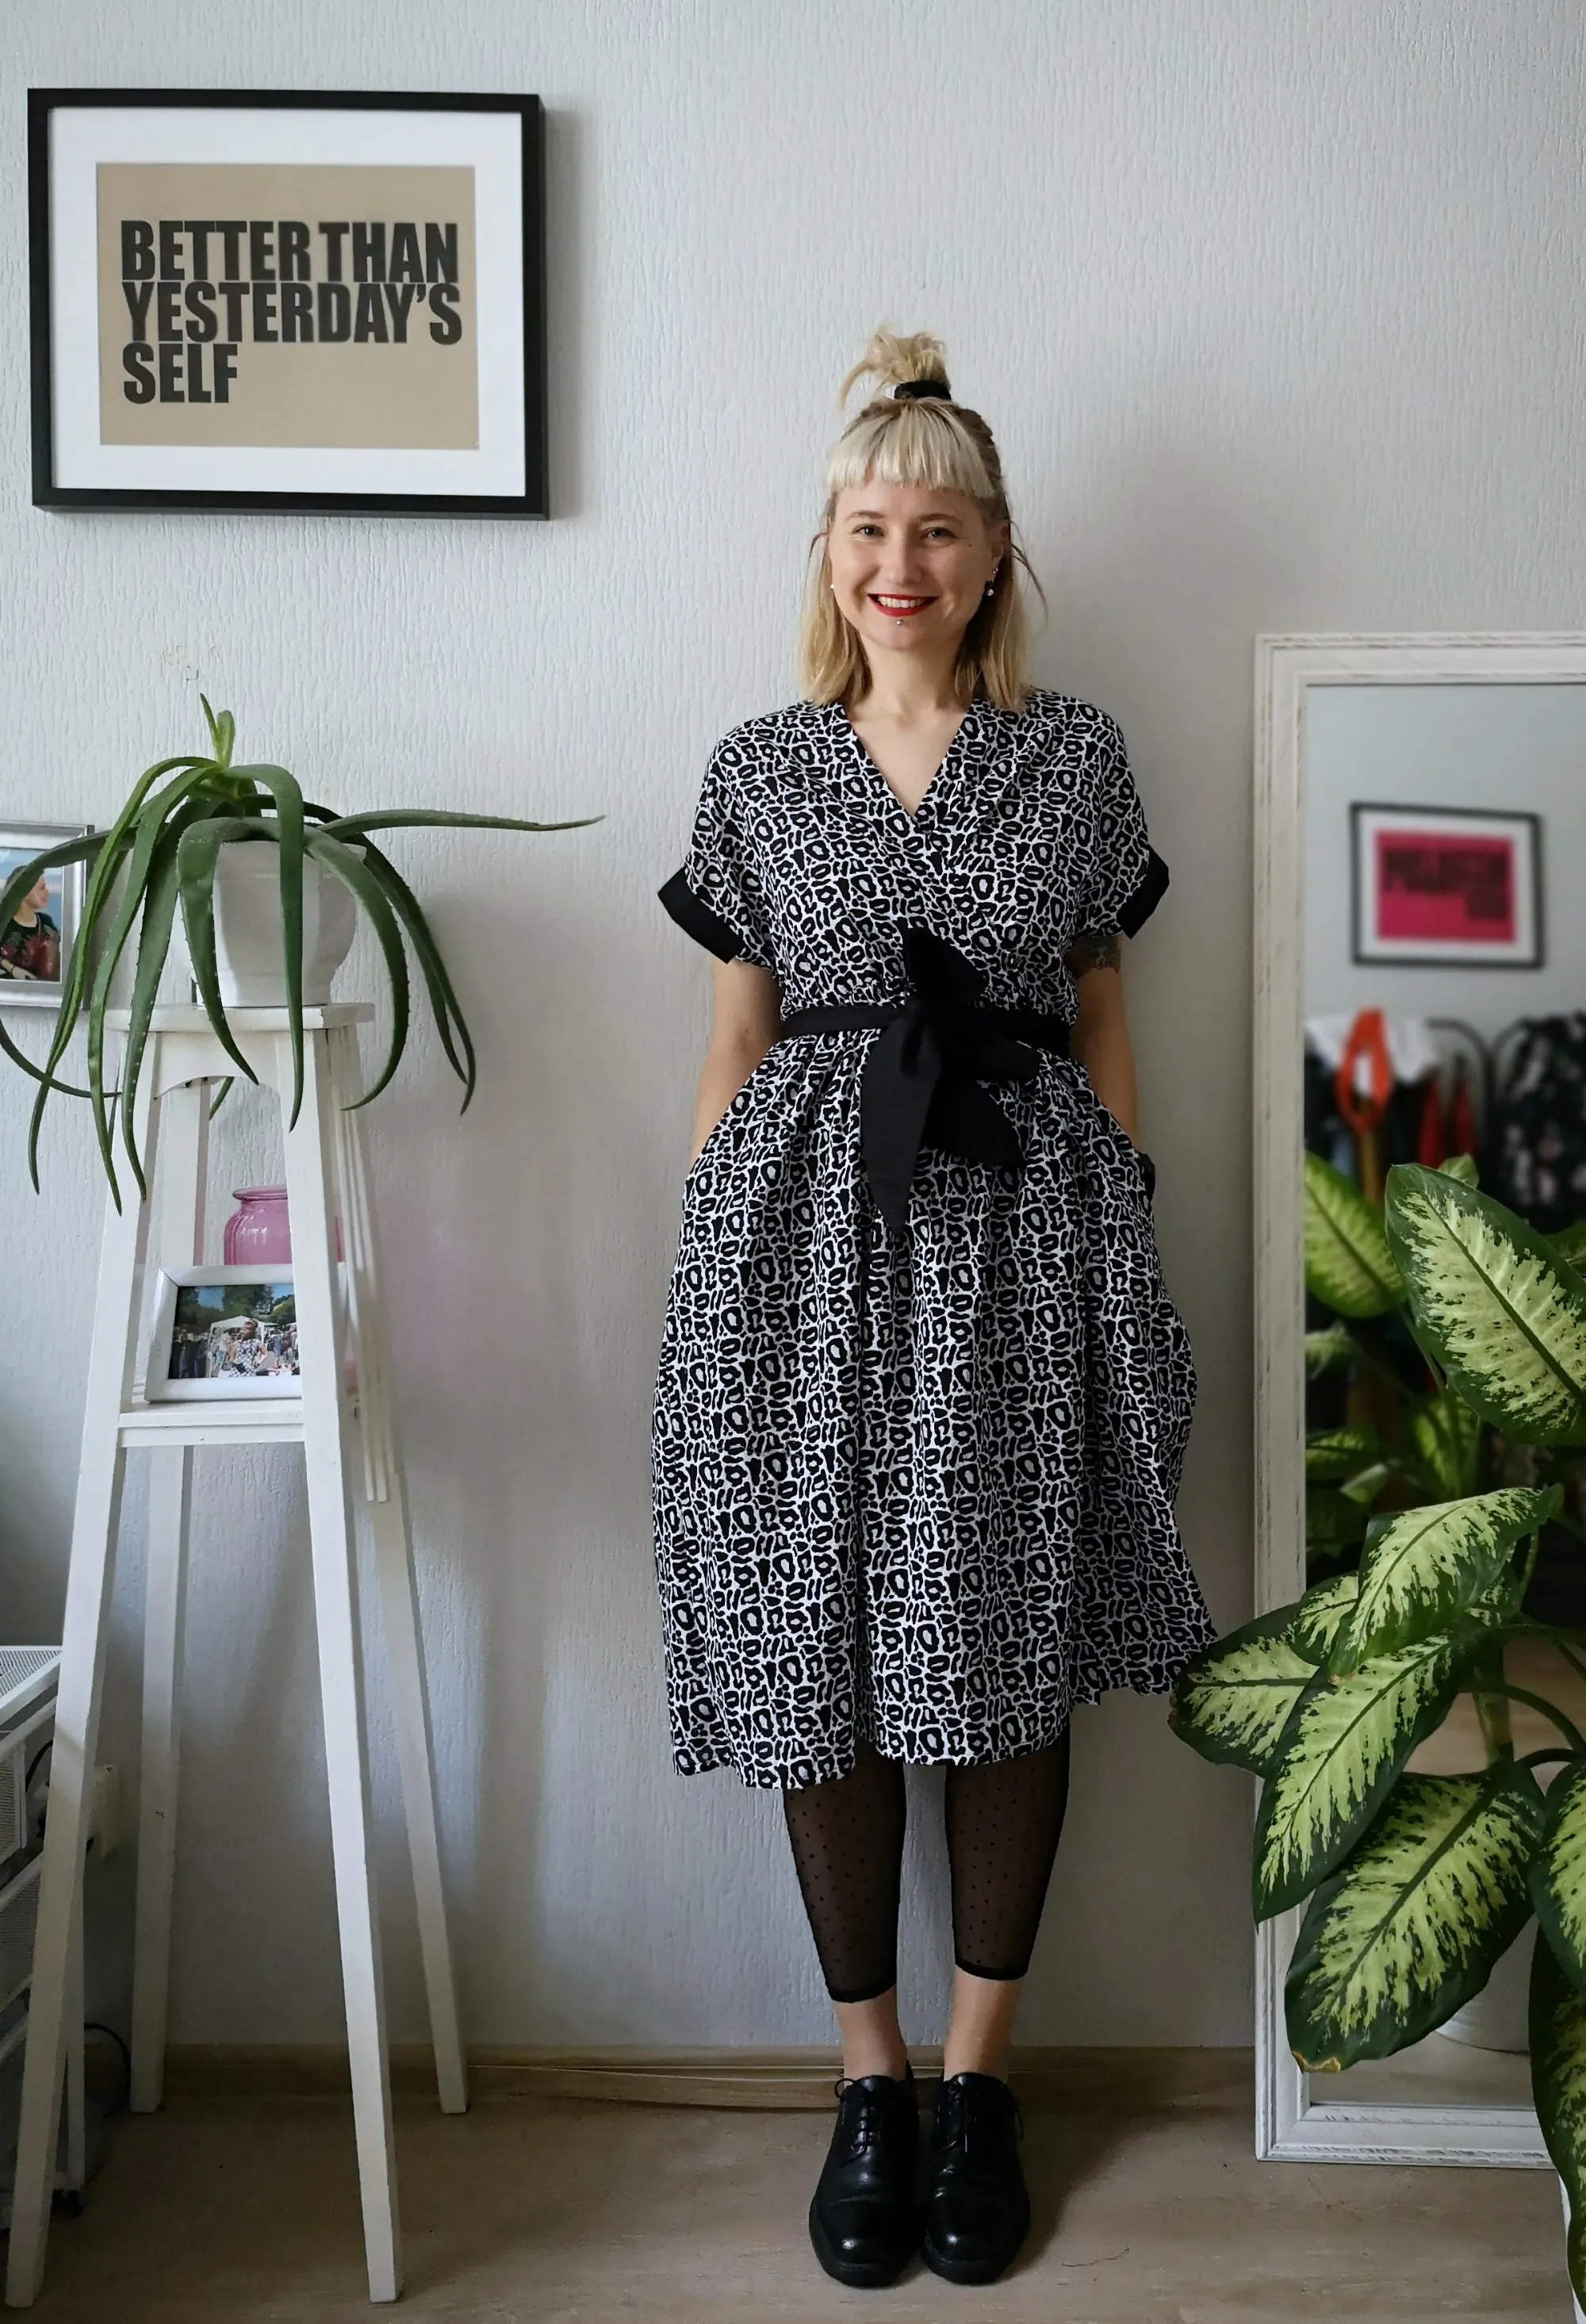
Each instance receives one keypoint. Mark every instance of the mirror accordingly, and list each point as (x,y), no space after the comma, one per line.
(1420,993)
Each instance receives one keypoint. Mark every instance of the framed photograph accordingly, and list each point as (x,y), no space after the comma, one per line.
(223,1332)
(275,300)
(1439,887)
(36,940)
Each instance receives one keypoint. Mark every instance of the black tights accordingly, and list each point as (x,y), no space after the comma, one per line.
(1004,1825)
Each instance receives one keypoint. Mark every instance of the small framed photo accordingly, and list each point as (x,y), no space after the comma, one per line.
(37,936)
(223,1332)
(1440,886)
(288,299)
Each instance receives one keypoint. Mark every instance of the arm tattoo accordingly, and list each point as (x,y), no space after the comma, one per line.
(1093,948)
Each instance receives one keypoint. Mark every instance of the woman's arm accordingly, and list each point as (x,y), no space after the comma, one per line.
(1099,1036)
(748,1010)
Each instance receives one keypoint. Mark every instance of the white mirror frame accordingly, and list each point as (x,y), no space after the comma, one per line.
(1290,2125)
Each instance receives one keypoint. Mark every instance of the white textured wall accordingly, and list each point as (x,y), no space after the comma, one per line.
(1276,313)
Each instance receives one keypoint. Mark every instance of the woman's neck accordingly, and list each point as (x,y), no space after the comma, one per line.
(913,697)
(25,915)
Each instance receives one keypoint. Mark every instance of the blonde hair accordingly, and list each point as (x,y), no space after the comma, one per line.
(943,444)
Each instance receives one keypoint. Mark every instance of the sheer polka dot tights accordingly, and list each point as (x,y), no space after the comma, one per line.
(1003,1824)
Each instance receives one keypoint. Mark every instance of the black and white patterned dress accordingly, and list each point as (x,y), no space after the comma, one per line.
(915,1453)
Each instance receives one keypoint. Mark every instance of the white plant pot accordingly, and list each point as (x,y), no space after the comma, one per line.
(249,954)
(1495,2018)
(1580,2313)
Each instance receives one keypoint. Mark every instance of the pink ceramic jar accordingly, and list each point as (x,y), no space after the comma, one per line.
(257,1233)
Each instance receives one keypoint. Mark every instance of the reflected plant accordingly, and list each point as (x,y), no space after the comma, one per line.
(1415,1884)
(161,853)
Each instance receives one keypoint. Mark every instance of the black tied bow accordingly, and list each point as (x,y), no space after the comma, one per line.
(921,1080)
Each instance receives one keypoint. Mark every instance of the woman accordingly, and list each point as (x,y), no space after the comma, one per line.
(922,1400)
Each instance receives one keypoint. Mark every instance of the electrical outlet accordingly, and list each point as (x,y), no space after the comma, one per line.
(104,1817)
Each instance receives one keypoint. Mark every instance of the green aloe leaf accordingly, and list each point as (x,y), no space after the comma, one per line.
(355,874)
(354,827)
(1421,1567)
(1345,1742)
(1333,1350)
(1503,1316)
(168,809)
(1232,1702)
(1558,2085)
(1333,1454)
(438,984)
(1317,1619)
(154,946)
(1445,1436)
(1558,1877)
(1348,1264)
(1409,1926)
(195,873)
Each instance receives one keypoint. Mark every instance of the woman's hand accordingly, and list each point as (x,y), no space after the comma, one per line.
(748,1003)
(1099,1036)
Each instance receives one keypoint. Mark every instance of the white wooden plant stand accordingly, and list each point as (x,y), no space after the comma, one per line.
(344,1433)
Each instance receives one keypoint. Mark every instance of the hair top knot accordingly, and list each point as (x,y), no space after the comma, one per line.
(909,391)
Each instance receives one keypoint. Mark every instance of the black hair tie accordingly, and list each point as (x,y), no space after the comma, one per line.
(909,391)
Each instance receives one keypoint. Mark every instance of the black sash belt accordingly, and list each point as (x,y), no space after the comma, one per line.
(921,1080)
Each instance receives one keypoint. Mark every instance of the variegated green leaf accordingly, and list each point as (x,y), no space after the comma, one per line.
(1421,1567)
(1333,1454)
(1494,1304)
(1570,1242)
(1408,1927)
(1558,2085)
(1332,1521)
(1317,1617)
(1445,1436)
(1348,1264)
(1332,1351)
(1232,1702)
(1558,1877)
(1345,1740)
(1365,1484)
(1461,1166)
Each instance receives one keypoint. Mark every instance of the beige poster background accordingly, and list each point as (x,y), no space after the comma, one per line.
(392,395)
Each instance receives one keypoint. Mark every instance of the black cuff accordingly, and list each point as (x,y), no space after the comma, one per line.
(1146,897)
(697,920)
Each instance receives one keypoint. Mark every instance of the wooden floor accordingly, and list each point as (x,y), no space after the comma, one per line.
(574,2212)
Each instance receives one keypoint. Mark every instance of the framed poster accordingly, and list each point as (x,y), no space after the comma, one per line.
(37,933)
(280,300)
(1439,887)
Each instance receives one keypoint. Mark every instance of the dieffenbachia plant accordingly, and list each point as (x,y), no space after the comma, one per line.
(160,854)
(1413,1884)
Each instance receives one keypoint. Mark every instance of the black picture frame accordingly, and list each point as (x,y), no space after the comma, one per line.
(1518,824)
(45,104)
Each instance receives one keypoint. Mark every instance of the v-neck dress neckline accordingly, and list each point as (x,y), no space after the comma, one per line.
(962,736)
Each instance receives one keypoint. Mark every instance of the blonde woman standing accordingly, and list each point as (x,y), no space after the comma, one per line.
(922,1400)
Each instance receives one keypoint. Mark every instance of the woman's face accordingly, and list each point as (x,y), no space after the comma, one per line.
(39,897)
(909,566)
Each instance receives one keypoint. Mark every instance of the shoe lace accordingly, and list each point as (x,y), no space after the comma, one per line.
(862,2113)
(969,2112)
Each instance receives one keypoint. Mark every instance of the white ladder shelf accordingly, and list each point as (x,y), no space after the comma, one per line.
(345,1437)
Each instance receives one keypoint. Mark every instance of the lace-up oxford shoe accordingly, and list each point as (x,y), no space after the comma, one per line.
(977,2207)
(863,2220)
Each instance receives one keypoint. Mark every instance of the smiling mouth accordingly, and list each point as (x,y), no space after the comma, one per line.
(900,608)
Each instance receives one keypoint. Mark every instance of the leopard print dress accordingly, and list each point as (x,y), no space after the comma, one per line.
(915,1481)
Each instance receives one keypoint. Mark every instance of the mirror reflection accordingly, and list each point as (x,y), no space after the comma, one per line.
(1444,1009)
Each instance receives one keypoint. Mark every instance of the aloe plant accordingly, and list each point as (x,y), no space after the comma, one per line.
(1413,1884)
(161,853)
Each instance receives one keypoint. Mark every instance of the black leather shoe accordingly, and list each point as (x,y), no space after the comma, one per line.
(863,2220)
(977,2208)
